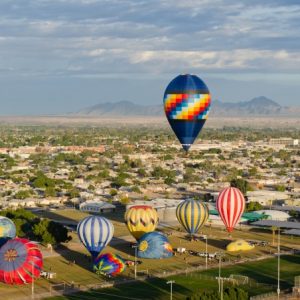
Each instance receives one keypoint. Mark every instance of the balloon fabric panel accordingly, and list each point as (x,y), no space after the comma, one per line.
(187,107)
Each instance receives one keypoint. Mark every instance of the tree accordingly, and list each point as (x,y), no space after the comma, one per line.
(50,232)
(253,171)
(280,188)
(42,181)
(50,192)
(241,184)
(113,192)
(23,194)
(253,206)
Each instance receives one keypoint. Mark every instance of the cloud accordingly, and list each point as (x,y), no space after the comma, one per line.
(73,37)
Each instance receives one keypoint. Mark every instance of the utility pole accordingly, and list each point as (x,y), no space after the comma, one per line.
(219,278)
(32,283)
(135,262)
(278,265)
(171,288)
(206,254)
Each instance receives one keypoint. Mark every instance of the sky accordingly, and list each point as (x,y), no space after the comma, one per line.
(59,56)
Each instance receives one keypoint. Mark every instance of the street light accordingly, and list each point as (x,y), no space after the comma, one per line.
(171,288)
(135,262)
(219,278)
(278,265)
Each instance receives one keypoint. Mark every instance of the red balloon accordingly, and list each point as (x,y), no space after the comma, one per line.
(20,261)
(231,205)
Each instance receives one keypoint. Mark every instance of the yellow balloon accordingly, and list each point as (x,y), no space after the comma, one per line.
(141,219)
(192,215)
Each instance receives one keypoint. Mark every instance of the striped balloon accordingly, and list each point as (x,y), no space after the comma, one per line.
(192,215)
(231,205)
(95,233)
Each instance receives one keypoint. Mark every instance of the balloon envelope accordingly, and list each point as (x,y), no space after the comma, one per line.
(141,219)
(187,104)
(109,264)
(230,205)
(20,261)
(7,230)
(154,245)
(95,233)
(192,215)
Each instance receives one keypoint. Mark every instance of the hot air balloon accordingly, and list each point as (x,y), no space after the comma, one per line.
(231,205)
(95,233)
(109,264)
(187,104)
(141,219)
(7,230)
(154,245)
(192,215)
(20,261)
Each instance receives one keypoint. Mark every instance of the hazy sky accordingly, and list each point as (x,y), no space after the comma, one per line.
(59,56)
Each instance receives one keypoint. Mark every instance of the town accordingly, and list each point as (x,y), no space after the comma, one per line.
(62,174)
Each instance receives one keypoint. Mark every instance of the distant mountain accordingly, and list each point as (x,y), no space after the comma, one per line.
(122,108)
(259,106)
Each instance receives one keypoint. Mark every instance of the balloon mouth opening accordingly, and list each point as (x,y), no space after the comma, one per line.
(10,255)
(230,229)
(186,147)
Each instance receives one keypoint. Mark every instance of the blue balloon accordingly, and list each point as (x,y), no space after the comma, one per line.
(7,228)
(154,245)
(95,233)
(187,104)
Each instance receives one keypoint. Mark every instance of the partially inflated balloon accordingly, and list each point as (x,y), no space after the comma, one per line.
(95,233)
(20,261)
(187,104)
(109,264)
(231,205)
(154,245)
(192,215)
(7,230)
(141,219)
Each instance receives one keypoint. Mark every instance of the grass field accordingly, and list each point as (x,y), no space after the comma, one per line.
(262,271)
(81,274)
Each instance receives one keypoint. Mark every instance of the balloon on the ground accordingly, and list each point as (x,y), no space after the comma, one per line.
(187,104)
(192,215)
(141,219)
(95,233)
(154,245)
(109,264)
(20,261)
(239,245)
(7,230)
(230,205)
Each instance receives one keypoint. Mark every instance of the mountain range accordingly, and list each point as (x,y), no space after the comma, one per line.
(259,106)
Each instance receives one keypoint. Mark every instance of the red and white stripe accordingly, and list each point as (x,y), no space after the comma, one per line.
(231,205)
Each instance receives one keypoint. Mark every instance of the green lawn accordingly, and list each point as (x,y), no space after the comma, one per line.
(263,271)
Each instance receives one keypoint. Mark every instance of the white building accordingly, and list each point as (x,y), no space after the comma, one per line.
(265,197)
(96,206)
(275,215)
